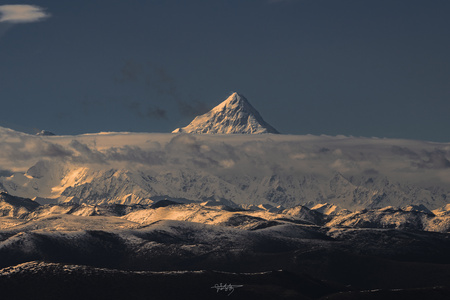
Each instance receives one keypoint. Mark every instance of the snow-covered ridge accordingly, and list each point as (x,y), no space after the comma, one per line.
(73,216)
(12,206)
(234,115)
(94,259)
(277,170)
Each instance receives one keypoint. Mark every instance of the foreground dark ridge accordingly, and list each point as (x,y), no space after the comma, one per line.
(321,255)
(39,280)
(358,258)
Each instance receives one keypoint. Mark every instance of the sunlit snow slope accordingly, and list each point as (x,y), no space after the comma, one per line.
(234,115)
(131,168)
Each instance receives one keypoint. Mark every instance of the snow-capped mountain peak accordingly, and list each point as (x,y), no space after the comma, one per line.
(234,115)
(45,133)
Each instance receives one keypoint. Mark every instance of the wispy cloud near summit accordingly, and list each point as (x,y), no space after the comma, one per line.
(21,13)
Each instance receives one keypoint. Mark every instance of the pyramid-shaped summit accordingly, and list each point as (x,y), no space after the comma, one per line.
(234,115)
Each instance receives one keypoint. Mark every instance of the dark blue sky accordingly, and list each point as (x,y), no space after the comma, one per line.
(363,68)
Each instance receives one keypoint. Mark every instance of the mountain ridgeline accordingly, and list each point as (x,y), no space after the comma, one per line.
(142,215)
(228,154)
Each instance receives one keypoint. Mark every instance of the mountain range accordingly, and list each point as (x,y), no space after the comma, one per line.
(243,168)
(223,200)
(379,253)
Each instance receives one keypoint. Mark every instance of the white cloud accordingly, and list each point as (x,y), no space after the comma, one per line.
(240,156)
(22,13)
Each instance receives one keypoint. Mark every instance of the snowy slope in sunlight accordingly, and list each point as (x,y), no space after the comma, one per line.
(11,206)
(72,216)
(234,115)
(138,168)
(176,233)
(222,216)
